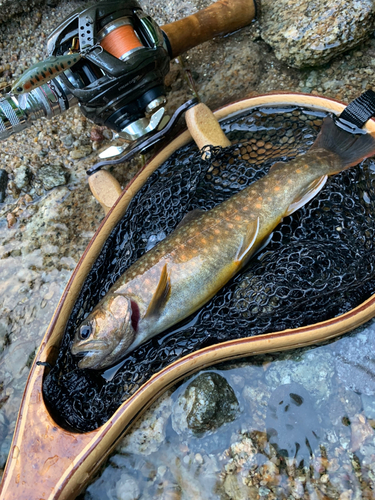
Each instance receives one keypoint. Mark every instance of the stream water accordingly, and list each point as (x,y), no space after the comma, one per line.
(303,428)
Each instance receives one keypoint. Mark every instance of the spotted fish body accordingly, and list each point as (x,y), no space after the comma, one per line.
(207,249)
(43,72)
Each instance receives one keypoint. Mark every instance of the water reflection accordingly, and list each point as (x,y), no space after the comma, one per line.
(303,428)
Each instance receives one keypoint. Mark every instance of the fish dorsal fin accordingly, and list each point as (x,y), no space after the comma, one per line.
(307,195)
(190,216)
(248,242)
(277,166)
(161,294)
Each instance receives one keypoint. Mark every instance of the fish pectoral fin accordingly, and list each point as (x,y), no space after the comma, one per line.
(306,195)
(190,216)
(248,242)
(161,295)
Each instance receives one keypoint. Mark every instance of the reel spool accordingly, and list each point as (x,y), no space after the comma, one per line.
(120,39)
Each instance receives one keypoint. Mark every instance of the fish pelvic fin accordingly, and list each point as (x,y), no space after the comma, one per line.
(307,195)
(161,295)
(248,243)
(351,149)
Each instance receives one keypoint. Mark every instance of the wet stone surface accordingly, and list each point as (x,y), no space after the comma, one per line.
(304,33)
(354,359)
(207,403)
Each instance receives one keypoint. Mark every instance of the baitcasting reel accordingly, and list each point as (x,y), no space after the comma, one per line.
(118,82)
(119,58)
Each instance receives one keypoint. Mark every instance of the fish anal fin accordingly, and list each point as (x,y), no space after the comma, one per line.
(277,166)
(161,294)
(248,242)
(307,195)
(190,216)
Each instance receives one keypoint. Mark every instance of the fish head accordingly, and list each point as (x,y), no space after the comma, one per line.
(106,334)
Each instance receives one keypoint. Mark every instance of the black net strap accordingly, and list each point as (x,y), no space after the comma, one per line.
(357,113)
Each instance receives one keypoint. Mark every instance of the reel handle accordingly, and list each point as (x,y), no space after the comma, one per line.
(220,18)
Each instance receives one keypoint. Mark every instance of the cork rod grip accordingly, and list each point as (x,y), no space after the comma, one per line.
(219,18)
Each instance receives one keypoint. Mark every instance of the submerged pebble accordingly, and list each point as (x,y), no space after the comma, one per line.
(207,403)
(149,432)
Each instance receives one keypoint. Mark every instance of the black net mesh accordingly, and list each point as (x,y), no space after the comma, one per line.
(318,264)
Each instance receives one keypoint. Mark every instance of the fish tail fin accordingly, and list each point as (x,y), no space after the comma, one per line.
(350,148)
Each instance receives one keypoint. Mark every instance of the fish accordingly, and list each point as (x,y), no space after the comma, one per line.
(43,71)
(185,270)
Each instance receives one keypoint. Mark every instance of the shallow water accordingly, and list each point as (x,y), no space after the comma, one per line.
(304,430)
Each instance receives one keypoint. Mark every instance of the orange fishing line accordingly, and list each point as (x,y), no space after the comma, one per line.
(120,40)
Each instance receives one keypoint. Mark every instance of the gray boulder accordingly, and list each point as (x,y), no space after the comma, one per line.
(310,33)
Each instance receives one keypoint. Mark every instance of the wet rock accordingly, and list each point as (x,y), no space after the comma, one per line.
(3,184)
(256,397)
(149,431)
(306,33)
(292,422)
(96,134)
(314,371)
(361,431)
(11,219)
(127,488)
(207,403)
(81,152)
(22,177)
(68,140)
(236,489)
(354,360)
(51,176)
(368,403)
(344,406)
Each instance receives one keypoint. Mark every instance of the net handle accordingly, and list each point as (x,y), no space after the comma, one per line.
(220,18)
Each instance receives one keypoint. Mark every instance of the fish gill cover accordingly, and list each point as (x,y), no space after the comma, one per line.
(318,264)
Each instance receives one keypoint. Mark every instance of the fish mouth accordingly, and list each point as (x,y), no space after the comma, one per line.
(88,347)
(89,358)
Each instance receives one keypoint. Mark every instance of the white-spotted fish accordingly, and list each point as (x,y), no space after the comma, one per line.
(182,272)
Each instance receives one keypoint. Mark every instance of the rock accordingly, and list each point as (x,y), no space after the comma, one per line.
(368,403)
(344,406)
(51,176)
(149,431)
(361,431)
(207,403)
(314,372)
(67,140)
(3,184)
(22,177)
(127,488)
(236,489)
(82,152)
(304,33)
(354,361)
(11,219)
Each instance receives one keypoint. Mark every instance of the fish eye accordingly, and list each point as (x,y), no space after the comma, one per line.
(19,89)
(85,332)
